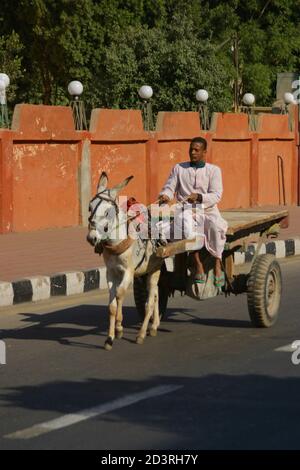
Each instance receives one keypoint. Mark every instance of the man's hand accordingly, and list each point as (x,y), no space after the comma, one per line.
(194,197)
(163,199)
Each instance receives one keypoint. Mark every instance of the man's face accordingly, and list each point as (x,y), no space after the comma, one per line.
(197,152)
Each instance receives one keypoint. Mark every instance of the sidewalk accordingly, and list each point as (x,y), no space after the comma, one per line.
(51,255)
(46,252)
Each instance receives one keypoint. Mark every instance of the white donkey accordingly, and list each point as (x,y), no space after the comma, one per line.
(124,258)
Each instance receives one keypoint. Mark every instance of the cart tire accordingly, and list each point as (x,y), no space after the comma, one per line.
(264,291)
(140,294)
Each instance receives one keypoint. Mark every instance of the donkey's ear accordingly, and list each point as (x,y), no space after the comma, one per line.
(116,189)
(102,183)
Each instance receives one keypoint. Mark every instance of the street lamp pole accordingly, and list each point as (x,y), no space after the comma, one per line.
(202,97)
(146,93)
(75,89)
(4,83)
(249,101)
(288,98)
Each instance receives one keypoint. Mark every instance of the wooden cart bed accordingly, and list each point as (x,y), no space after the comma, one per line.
(242,224)
(241,220)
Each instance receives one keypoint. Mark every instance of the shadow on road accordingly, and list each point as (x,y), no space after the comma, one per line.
(63,326)
(210,412)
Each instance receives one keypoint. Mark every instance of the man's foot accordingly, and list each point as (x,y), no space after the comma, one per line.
(200,278)
(219,280)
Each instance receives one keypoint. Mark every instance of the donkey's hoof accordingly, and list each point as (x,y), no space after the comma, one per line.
(139,340)
(119,334)
(153,332)
(108,344)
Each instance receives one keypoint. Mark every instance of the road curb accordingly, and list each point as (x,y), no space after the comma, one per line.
(44,287)
(278,248)
(69,283)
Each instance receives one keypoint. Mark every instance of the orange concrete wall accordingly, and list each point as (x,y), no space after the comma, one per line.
(276,143)
(118,146)
(48,170)
(234,159)
(271,184)
(45,161)
(45,186)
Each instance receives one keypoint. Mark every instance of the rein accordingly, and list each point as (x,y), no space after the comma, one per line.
(119,248)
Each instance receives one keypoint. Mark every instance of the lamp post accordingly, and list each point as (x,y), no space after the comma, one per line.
(146,93)
(75,89)
(4,83)
(249,100)
(202,97)
(288,98)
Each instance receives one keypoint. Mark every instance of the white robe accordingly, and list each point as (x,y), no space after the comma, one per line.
(206,223)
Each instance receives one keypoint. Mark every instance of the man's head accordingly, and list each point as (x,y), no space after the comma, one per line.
(197,150)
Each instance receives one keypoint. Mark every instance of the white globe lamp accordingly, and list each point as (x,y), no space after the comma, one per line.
(201,96)
(5,78)
(288,98)
(248,99)
(145,92)
(4,83)
(75,88)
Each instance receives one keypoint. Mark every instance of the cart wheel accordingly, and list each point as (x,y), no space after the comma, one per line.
(264,291)
(140,294)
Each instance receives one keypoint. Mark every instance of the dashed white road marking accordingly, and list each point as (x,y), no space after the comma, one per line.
(83,415)
(286,348)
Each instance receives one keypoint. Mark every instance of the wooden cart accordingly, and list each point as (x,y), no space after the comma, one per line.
(261,281)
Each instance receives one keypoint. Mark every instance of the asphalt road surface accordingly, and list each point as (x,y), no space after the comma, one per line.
(209,380)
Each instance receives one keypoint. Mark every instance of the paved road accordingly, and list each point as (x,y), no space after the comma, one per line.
(208,380)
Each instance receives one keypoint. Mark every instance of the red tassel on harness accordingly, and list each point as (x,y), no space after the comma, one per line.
(138,211)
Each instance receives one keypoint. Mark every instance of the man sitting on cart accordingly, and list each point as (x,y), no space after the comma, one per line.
(198,183)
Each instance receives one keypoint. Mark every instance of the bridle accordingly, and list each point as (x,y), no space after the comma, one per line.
(102,197)
(124,244)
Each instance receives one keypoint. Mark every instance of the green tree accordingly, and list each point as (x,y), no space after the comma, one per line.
(172,60)
(114,46)
(269,40)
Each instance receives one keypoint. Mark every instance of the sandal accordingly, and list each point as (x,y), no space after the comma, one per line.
(200,278)
(219,280)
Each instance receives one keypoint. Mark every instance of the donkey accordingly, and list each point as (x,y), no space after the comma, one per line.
(124,257)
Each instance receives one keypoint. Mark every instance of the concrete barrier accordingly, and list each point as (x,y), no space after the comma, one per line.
(49,171)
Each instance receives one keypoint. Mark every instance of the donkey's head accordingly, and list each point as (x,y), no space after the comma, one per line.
(104,210)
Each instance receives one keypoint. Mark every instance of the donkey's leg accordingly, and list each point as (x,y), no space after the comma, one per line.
(120,295)
(156,319)
(112,286)
(151,307)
